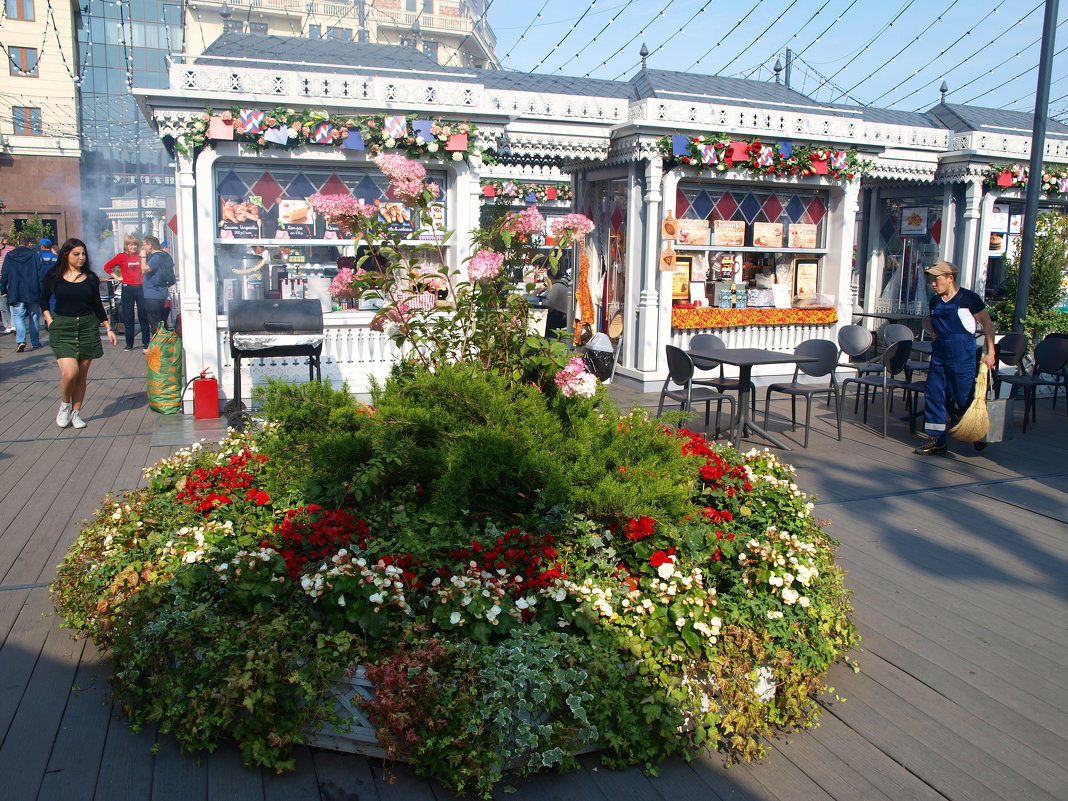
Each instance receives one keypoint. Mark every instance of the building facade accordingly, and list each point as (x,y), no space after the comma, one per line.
(789,216)
(39,142)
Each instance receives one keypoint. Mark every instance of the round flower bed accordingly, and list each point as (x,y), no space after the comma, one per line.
(518,573)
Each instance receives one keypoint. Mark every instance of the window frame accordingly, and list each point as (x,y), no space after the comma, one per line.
(15,9)
(15,69)
(26,120)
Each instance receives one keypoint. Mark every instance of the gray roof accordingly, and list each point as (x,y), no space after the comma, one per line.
(993,120)
(668,85)
(322,55)
(555,84)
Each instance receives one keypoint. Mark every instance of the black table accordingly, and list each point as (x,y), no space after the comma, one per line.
(745,359)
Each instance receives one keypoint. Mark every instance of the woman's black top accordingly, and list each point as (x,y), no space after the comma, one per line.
(74,298)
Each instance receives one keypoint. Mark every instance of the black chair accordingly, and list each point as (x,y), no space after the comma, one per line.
(1051,358)
(706,345)
(893,362)
(826,354)
(680,372)
(856,343)
(1064,373)
(1010,350)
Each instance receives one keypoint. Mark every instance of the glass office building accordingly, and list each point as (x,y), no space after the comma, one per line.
(122,43)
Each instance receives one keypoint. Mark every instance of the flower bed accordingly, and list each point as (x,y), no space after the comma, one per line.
(524,573)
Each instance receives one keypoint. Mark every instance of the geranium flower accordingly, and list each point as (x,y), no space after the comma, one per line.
(639,527)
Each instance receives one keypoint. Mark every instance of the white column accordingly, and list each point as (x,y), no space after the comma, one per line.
(972,254)
(841,235)
(197,352)
(649,306)
(876,254)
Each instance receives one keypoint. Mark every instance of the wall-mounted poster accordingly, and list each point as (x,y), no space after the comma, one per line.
(296,219)
(680,282)
(914,221)
(729,233)
(1016,224)
(239,218)
(692,232)
(999,217)
(806,277)
(803,236)
(767,235)
(997,244)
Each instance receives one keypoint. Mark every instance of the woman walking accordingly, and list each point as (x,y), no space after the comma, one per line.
(126,266)
(74,328)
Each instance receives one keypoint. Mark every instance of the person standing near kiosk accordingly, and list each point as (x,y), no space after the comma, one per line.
(956,315)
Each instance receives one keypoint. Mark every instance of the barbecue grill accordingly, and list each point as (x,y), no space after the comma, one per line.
(262,329)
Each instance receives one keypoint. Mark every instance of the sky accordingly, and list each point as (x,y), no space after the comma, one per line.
(889,54)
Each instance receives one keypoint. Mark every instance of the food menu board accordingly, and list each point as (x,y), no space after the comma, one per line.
(274,203)
(729,233)
(692,232)
(803,236)
(767,235)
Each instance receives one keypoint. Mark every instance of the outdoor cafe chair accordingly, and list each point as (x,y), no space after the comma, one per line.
(706,345)
(686,392)
(896,332)
(1010,351)
(1051,358)
(892,362)
(825,353)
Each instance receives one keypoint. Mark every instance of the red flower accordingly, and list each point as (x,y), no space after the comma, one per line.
(662,557)
(638,528)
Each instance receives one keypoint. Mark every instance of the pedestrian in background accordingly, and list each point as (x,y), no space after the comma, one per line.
(126,267)
(20,282)
(157,270)
(74,329)
(47,252)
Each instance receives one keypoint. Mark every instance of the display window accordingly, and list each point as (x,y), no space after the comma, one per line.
(910,229)
(270,243)
(748,247)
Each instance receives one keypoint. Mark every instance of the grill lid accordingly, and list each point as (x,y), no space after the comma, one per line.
(289,316)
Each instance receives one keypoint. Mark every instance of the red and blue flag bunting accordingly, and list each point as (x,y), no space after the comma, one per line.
(395,127)
(838,160)
(708,154)
(323,133)
(252,120)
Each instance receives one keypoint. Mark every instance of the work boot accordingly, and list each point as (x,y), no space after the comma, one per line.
(932,447)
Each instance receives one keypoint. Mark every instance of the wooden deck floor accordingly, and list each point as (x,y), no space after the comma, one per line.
(959,564)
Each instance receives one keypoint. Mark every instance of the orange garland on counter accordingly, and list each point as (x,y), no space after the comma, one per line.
(732,318)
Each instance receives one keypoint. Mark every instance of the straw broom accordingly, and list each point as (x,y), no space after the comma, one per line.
(975,422)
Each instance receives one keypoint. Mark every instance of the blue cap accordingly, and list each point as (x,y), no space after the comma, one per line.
(46,242)
(164,244)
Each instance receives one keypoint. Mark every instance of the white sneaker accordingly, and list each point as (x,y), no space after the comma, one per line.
(76,419)
(63,418)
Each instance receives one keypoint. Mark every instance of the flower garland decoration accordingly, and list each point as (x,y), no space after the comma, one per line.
(416,137)
(530,192)
(1016,176)
(718,152)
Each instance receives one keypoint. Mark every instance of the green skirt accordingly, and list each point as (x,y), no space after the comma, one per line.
(75,337)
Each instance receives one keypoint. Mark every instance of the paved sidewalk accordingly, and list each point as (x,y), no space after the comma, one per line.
(958,565)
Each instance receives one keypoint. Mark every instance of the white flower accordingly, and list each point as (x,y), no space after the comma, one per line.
(455,618)
(341,600)
(376,599)
(775,581)
(680,622)
(790,596)
(804,601)
(667,569)
(774,614)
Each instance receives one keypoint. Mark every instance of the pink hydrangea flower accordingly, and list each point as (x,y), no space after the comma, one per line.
(485,266)
(431,278)
(571,226)
(342,208)
(528,221)
(574,381)
(407,178)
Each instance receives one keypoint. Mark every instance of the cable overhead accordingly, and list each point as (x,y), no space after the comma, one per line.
(630,41)
(796,34)
(523,35)
(824,31)
(941,53)
(598,35)
(570,31)
(825,81)
(864,48)
(665,43)
(1017,54)
(1014,78)
(474,27)
(760,36)
(724,37)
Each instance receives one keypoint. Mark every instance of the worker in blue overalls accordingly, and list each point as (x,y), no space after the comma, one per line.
(956,315)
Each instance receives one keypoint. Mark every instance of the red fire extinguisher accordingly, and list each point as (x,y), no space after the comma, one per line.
(205,396)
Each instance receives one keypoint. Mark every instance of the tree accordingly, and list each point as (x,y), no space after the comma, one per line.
(33,226)
(1048,272)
